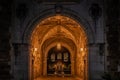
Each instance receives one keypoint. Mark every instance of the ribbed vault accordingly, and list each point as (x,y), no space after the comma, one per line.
(66,31)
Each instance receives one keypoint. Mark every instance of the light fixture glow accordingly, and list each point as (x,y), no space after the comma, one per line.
(58,46)
(81,49)
(35,49)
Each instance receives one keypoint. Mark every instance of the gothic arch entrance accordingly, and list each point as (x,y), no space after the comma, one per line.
(59,32)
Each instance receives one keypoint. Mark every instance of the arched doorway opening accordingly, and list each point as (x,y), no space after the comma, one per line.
(58,61)
(55,31)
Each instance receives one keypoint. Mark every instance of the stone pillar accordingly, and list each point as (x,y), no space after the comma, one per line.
(96,68)
(44,66)
(72,67)
(21,61)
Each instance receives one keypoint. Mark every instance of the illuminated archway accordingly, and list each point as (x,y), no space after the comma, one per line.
(69,33)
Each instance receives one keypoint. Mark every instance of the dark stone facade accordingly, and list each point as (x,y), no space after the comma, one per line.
(112,14)
(5,23)
(113,37)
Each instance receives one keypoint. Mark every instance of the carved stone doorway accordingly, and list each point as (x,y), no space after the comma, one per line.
(62,32)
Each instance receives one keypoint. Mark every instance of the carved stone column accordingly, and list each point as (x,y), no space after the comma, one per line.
(22,61)
(72,67)
(44,66)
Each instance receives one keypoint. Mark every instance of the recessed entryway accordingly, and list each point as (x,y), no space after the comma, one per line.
(59,48)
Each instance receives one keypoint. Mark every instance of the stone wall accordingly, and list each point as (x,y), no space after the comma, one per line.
(20,61)
(112,30)
(5,23)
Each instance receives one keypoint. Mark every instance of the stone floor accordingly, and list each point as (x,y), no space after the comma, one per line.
(58,78)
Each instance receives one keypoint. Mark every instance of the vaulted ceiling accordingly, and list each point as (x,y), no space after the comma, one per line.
(58,29)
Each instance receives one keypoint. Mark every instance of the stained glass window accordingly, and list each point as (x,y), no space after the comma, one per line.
(66,57)
(59,56)
(52,57)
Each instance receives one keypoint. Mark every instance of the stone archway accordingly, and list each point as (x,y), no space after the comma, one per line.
(66,31)
(72,50)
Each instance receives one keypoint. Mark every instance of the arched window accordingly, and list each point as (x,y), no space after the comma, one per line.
(56,59)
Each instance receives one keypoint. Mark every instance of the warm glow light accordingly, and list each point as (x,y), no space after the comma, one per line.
(81,49)
(58,16)
(58,46)
(35,49)
(65,32)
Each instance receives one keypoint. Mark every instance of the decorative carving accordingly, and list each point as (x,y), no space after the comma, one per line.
(58,8)
(95,12)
